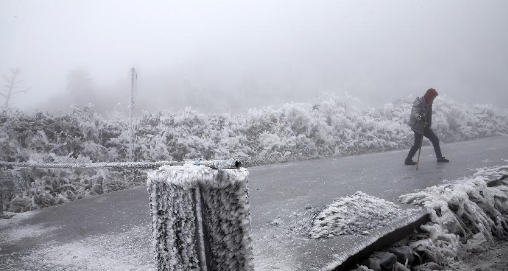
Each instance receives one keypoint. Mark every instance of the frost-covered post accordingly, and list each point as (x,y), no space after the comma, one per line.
(200,218)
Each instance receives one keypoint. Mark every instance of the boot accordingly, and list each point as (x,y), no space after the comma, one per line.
(409,162)
(442,159)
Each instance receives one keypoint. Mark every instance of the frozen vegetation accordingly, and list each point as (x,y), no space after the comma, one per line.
(469,217)
(335,127)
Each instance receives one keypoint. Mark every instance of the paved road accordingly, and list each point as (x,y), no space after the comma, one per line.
(318,182)
(289,192)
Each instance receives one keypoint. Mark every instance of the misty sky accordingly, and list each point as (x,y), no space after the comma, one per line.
(259,52)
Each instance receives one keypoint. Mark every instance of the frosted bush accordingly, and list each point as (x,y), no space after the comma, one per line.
(336,126)
(462,212)
(43,187)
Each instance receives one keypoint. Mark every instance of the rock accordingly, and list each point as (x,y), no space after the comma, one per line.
(361,268)
(400,267)
(429,266)
(372,263)
(403,254)
(5,216)
(276,222)
(385,259)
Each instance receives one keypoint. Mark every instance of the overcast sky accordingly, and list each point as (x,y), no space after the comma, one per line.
(378,51)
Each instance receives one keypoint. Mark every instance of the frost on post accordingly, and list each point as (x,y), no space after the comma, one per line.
(200,218)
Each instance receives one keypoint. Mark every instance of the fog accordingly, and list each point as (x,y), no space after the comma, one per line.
(224,56)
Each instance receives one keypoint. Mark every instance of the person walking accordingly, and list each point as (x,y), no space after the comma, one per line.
(420,122)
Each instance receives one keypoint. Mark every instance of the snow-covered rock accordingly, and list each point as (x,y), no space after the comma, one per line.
(354,215)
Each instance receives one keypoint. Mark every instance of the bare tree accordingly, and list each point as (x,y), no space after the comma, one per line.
(11,87)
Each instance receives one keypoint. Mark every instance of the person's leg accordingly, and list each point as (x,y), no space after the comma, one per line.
(416,145)
(428,133)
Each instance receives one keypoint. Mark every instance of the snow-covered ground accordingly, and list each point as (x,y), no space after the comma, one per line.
(127,250)
(119,252)
(293,225)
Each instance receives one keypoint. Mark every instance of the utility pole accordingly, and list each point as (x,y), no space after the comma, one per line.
(134,77)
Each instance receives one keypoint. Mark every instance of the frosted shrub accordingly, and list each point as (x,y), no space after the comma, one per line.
(462,122)
(462,211)
(9,147)
(336,126)
(43,187)
(153,148)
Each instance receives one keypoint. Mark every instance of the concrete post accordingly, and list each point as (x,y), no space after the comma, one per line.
(200,218)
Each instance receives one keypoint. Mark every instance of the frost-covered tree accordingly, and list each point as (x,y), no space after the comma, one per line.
(12,86)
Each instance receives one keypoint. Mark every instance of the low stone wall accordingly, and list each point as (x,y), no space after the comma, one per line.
(200,218)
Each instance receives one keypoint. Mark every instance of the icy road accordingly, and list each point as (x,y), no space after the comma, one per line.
(112,231)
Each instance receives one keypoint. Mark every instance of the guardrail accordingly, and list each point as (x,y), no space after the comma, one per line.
(7,182)
(7,179)
(126,165)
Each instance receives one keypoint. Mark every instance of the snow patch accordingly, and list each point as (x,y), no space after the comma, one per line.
(11,234)
(276,238)
(356,214)
(17,218)
(20,233)
(103,252)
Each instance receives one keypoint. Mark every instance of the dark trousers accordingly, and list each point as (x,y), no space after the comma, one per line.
(428,133)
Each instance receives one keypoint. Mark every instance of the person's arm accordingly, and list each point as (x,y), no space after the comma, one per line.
(416,111)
